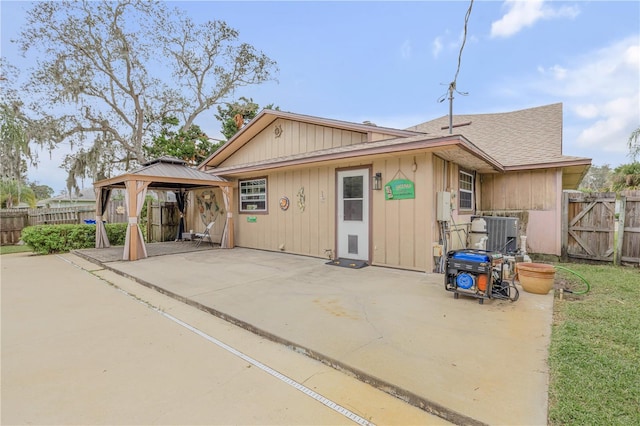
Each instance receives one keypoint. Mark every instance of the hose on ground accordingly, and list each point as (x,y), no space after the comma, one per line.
(588,286)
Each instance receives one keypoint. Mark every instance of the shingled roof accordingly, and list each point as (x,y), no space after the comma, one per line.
(520,138)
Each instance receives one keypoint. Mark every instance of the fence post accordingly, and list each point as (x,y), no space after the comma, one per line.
(617,255)
(564,228)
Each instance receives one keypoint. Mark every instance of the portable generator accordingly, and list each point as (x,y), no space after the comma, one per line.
(477,273)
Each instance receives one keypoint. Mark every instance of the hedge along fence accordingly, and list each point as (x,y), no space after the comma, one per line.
(47,239)
(12,221)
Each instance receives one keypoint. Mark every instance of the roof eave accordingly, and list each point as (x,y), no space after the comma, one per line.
(550,164)
(433,145)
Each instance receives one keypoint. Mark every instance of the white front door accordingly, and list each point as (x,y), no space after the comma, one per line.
(353,214)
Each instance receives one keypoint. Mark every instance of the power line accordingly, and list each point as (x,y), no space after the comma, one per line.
(452,85)
(464,40)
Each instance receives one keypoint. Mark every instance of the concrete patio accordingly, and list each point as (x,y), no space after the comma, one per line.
(397,330)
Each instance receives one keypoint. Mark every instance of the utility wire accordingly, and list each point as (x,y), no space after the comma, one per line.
(464,40)
(452,85)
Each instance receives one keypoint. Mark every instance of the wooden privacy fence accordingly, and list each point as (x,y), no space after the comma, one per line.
(13,221)
(162,221)
(591,231)
(629,229)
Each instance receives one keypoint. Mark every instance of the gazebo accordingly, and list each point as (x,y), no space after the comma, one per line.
(163,174)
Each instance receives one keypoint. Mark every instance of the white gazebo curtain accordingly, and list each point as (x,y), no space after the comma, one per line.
(141,193)
(102,199)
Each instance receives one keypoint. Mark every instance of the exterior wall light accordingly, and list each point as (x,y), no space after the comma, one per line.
(377,181)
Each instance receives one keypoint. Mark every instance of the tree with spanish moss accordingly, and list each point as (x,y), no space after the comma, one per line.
(634,144)
(15,151)
(110,72)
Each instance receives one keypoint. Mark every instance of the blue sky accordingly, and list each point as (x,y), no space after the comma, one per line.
(390,62)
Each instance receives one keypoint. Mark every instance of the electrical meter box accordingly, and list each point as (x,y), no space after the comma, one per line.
(443,206)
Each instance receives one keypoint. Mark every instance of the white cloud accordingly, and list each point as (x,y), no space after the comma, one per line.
(556,72)
(601,94)
(523,14)
(632,56)
(586,111)
(449,43)
(616,120)
(436,46)
(607,73)
(406,49)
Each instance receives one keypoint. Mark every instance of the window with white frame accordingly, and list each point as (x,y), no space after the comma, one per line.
(466,191)
(253,195)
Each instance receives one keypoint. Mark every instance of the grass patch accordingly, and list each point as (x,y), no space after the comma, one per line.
(15,249)
(594,356)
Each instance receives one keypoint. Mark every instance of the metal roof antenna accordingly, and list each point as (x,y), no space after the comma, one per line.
(452,85)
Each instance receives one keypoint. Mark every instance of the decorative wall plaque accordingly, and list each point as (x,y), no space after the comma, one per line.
(301,199)
(284,203)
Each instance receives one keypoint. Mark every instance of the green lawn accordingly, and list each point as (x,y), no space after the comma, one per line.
(15,249)
(595,350)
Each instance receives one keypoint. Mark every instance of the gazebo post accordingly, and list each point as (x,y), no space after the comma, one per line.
(98,192)
(133,221)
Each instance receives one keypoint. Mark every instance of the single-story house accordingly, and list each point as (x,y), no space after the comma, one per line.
(392,197)
(84,197)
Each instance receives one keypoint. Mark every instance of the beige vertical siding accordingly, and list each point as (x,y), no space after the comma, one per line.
(532,190)
(535,192)
(446,178)
(402,233)
(309,231)
(296,138)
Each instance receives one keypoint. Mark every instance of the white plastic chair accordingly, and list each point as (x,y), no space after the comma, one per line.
(201,236)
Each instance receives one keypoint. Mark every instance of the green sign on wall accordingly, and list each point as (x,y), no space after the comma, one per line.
(399,189)
(252,219)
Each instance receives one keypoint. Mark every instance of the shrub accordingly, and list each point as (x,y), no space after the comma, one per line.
(46,239)
(116,232)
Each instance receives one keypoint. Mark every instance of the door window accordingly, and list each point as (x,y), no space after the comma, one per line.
(352,196)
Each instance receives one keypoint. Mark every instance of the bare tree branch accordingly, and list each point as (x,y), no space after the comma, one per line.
(102,80)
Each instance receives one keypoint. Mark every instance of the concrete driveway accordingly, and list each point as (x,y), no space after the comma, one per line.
(399,331)
(79,349)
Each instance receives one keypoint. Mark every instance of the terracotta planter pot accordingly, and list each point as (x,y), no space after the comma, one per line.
(536,278)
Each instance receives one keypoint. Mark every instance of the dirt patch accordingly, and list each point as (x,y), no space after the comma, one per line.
(568,286)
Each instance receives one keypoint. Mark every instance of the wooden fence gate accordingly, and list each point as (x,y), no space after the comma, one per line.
(629,229)
(591,231)
(590,221)
(162,221)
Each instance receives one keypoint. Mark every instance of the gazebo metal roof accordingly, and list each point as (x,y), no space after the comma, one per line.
(166,173)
